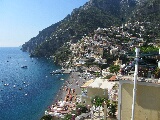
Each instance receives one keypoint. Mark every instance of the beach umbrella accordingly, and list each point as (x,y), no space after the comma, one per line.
(57,114)
(54,108)
(62,104)
(59,109)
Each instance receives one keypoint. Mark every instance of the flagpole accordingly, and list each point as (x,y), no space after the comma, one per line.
(137,50)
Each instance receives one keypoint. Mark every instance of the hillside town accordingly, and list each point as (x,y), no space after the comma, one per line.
(105,65)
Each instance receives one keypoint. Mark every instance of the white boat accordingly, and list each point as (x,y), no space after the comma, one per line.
(56,72)
(25,67)
(61,79)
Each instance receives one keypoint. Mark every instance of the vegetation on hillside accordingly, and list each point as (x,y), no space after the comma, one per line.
(94,14)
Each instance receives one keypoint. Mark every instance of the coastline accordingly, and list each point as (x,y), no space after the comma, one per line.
(73,82)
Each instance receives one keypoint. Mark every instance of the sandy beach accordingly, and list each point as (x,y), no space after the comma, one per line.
(74,82)
(68,94)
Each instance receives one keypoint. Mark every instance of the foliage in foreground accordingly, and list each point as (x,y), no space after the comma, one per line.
(80,108)
(99,101)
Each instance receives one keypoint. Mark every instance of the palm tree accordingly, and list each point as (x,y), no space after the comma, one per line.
(112,109)
(98,102)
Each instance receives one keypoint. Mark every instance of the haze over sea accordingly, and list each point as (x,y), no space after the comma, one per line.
(26,93)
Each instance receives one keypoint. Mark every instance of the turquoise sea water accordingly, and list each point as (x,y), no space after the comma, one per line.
(26,93)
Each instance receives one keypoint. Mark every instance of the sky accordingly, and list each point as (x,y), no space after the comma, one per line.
(21,20)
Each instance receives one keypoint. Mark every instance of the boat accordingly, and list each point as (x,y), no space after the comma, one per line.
(25,67)
(61,79)
(56,72)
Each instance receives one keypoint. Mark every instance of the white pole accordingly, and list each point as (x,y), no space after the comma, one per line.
(137,50)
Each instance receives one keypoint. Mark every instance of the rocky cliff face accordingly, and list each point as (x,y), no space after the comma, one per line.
(84,20)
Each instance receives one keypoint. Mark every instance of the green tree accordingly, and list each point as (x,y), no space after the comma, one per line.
(98,102)
(46,117)
(114,68)
(157,73)
(81,109)
(112,109)
(67,117)
(149,49)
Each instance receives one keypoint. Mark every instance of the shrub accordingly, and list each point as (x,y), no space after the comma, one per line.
(46,117)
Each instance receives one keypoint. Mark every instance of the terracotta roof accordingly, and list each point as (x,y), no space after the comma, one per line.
(113,78)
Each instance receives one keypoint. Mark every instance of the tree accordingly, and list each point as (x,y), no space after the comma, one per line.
(98,102)
(148,49)
(81,109)
(157,73)
(67,117)
(114,68)
(112,109)
(46,117)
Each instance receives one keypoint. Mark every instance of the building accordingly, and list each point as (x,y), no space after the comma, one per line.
(98,87)
(147,105)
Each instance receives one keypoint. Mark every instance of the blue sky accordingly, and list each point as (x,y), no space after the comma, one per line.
(21,20)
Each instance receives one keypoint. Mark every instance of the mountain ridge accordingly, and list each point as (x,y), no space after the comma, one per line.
(83,21)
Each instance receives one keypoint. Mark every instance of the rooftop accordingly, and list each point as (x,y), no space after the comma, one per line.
(130,78)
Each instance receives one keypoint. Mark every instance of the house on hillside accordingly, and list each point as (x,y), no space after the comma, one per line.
(118,62)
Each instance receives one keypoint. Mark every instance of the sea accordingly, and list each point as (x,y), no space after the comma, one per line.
(25,93)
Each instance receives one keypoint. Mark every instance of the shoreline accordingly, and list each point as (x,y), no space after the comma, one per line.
(73,82)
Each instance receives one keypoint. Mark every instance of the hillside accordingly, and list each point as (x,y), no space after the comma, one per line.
(84,20)
(147,11)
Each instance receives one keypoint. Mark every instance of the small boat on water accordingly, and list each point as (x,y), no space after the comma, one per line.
(56,72)
(61,79)
(25,67)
